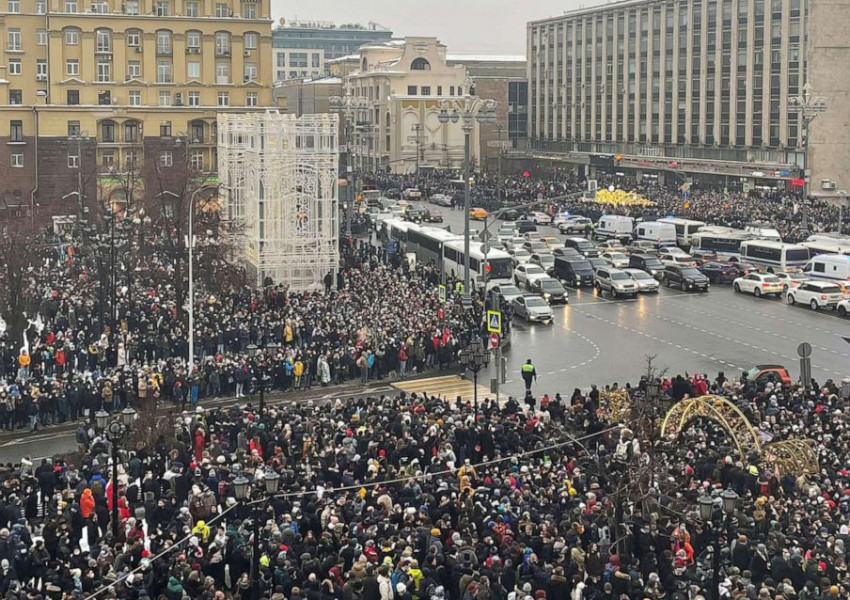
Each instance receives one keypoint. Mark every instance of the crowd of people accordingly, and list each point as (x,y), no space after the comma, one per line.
(421,497)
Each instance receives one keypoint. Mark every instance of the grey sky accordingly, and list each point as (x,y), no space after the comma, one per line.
(487,26)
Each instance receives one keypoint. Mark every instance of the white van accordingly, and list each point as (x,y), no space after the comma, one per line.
(614,227)
(657,232)
(832,267)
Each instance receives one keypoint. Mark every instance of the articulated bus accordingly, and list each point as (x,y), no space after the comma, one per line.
(772,256)
(724,241)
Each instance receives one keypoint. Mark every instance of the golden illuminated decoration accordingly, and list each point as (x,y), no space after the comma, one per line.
(795,457)
(615,406)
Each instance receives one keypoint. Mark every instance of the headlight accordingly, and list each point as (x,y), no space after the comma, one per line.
(547,295)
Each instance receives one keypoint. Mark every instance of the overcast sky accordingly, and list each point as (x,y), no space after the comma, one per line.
(465,26)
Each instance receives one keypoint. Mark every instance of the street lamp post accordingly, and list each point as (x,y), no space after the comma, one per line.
(713,520)
(115,432)
(808,107)
(349,104)
(469,109)
(264,487)
(474,356)
(190,241)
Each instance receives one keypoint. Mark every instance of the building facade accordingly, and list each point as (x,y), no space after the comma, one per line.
(690,80)
(302,48)
(96,89)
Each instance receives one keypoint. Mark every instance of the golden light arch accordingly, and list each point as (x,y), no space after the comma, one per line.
(796,456)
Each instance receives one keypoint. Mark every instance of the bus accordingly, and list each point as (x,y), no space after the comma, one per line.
(773,256)
(818,247)
(501,264)
(724,241)
(397,230)
(427,242)
(685,228)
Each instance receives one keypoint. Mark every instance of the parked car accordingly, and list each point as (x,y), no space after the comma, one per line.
(774,373)
(646,282)
(758,284)
(618,260)
(687,278)
(432,215)
(551,290)
(478,214)
(718,272)
(611,245)
(616,282)
(817,294)
(742,267)
(533,309)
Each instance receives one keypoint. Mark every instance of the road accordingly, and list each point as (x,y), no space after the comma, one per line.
(598,340)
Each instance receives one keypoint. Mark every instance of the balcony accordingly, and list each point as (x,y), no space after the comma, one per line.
(163,50)
(222,51)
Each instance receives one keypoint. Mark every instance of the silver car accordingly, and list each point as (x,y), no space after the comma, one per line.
(533,309)
(646,282)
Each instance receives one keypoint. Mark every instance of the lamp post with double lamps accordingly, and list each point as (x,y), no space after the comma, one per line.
(467,110)
(475,357)
(716,520)
(115,431)
(256,494)
(808,107)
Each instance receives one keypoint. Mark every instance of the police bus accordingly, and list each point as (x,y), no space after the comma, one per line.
(685,228)
(427,243)
(772,256)
(500,262)
(723,241)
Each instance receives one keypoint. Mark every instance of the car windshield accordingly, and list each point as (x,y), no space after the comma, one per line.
(640,275)
(521,252)
(617,255)
(751,374)
(509,290)
(619,276)
(772,279)
(652,263)
(534,301)
(691,272)
(534,270)
(551,285)
(584,246)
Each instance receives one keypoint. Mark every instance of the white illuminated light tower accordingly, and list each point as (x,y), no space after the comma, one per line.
(808,107)
(350,105)
(468,109)
(278,177)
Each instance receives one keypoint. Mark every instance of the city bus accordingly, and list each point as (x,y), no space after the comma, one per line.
(427,242)
(397,230)
(501,264)
(685,228)
(724,241)
(773,256)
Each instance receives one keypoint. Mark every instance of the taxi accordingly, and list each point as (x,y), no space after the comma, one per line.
(478,214)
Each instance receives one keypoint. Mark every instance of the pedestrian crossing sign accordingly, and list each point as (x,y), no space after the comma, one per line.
(494,321)
(442,293)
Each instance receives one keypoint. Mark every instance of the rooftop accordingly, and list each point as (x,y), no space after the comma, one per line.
(315,24)
(486,57)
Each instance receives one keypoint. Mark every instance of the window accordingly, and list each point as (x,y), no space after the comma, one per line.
(224,99)
(72,37)
(17,160)
(13,6)
(40,7)
(281,59)
(107,159)
(41,67)
(41,37)
(252,99)
(15,67)
(73,97)
(420,64)
(297,59)
(193,39)
(163,8)
(16,97)
(72,67)
(222,43)
(193,69)
(222,73)
(165,129)
(134,68)
(164,98)
(222,10)
(134,38)
(135,98)
(104,98)
(131,7)
(13,40)
(16,131)
(250,40)
(70,6)
(163,71)
(73,161)
(107,131)
(426,90)
(439,90)
(166,159)
(315,60)
(163,41)
(104,40)
(73,128)
(131,158)
(411,90)
(131,131)
(192,9)
(99,7)
(249,10)
(250,73)
(194,98)
(104,71)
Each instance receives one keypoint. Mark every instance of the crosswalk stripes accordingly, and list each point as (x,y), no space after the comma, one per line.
(447,386)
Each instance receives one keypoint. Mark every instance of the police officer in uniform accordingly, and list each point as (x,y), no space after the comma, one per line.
(529,375)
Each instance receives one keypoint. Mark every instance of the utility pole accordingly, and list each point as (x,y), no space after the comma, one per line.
(808,107)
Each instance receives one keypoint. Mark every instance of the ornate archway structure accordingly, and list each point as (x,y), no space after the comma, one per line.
(797,457)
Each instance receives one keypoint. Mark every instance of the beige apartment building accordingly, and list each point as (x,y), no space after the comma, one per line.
(91,90)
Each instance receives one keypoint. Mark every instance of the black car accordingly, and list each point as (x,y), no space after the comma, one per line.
(575,271)
(718,272)
(509,215)
(648,263)
(414,214)
(597,262)
(393,193)
(551,290)
(686,278)
(525,227)
(432,215)
(584,246)
(565,252)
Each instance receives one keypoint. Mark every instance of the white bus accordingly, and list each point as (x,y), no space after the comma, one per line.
(763,231)
(501,264)
(772,256)
(817,247)
(685,228)
(427,243)
(724,241)
(397,229)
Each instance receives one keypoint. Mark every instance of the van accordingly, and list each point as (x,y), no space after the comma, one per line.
(657,232)
(832,267)
(648,263)
(614,227)
(585,247)
(573,271)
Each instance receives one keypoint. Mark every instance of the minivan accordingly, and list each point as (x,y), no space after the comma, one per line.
(574,271)
(581,244)
(648,263)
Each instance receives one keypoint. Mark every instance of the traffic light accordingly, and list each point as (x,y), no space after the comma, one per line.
(487,267)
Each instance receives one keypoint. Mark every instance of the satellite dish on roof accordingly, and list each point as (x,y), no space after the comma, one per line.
(282,21)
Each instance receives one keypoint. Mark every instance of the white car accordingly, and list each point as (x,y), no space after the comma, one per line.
(618,260)
(646,282)
(533,308)
(520,256)
(506,234)
(817,294)
(676,251)
(758,284)
(532,235)
(614,245)
(537,217)
(515,242)
(676,259)
(526,273)
(843,307)
(412,194)
(574,224)
(791,280)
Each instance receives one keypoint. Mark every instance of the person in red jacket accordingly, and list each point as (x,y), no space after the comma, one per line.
(86,503)
(199,444)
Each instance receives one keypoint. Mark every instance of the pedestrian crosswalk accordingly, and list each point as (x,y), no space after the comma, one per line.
(448,386)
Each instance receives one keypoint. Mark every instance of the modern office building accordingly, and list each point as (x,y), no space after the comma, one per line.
(301,48)
(699,86)
(94,89)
